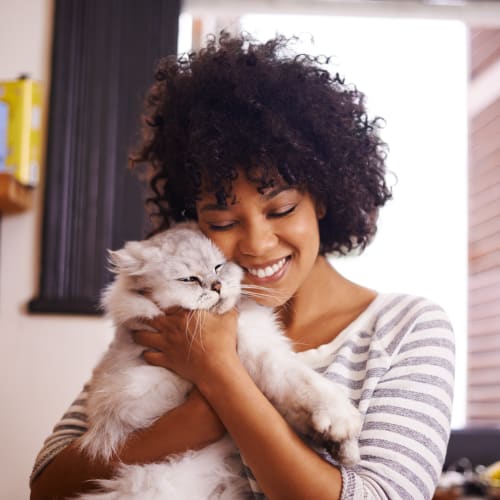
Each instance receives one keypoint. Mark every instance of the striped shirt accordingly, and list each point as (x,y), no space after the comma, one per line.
(396,363)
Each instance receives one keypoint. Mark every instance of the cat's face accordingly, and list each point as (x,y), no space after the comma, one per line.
(180,267)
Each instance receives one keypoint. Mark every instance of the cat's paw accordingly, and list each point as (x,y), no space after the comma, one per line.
(336,422)
(337,427)
(348,452)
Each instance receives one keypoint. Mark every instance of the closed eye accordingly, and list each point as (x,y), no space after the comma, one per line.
(282,213)
(190,279)
(223,227)
(217,267)
(272,215)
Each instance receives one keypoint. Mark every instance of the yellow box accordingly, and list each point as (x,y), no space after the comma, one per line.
(20,129)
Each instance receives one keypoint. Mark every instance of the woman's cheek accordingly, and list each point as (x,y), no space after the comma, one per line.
(224,241)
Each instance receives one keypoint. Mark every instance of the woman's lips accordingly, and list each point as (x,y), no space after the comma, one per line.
(269,273)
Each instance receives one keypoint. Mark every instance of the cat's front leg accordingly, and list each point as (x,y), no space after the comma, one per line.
(314,405)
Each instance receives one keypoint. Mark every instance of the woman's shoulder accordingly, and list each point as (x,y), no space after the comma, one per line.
(400,303)
(394,318)
(388,311)
(389,320)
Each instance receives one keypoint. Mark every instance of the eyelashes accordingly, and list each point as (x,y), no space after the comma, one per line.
(272,215)
(213,227)
(277,215)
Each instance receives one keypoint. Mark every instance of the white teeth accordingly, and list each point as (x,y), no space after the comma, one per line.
(267,271)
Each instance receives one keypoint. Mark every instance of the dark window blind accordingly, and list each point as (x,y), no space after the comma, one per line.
(103,58)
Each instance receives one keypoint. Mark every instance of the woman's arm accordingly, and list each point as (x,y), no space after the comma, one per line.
(406,397)
(193,425)
(283,465)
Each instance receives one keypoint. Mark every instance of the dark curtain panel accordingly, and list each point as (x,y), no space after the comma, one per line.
(103,58)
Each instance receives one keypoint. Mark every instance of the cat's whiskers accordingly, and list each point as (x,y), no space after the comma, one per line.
(198,315)
(200,318)
(249,286)
(262,292)
(258,295)
(258,289)
(256,292)
(191,336)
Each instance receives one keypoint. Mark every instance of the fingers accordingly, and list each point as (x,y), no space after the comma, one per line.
(154,358)
(158,322)
(154,344)
(174,311)
(155,323)
(152,333)
(151,340)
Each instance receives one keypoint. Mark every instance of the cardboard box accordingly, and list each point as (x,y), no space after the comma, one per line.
(20,129)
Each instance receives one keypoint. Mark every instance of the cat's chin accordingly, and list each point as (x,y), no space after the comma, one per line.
(223,306)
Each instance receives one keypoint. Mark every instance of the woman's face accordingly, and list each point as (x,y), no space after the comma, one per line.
(274,236)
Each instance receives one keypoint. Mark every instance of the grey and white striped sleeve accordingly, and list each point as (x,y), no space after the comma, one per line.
(407,415)
(71,426)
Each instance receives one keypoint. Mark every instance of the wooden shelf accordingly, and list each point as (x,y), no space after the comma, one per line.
(14,197)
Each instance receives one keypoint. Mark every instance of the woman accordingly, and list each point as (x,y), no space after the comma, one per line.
(279,164)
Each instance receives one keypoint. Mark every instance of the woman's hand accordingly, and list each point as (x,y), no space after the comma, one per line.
(190,343)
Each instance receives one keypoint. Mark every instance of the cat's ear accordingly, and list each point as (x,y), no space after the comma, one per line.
(121,261)
(129,260)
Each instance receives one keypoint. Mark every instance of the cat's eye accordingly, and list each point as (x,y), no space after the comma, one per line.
(217,267)
(190,279)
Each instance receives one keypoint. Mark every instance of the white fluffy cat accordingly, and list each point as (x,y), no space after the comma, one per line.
(182,267)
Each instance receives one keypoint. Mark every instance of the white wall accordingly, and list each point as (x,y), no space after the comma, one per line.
(45,359)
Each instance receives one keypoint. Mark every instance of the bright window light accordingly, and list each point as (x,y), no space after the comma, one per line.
(413,73)
(184,38)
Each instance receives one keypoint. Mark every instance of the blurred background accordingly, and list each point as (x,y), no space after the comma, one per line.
(431,69)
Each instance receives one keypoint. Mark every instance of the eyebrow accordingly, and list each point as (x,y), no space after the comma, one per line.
(265,196)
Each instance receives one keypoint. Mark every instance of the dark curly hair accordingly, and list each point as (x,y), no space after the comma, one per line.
(240,104)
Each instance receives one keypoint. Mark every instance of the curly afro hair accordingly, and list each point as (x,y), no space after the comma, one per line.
(238,104)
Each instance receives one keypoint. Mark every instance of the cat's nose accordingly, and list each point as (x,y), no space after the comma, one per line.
(216,286)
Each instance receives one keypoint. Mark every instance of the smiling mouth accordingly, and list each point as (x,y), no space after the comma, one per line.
(268,271)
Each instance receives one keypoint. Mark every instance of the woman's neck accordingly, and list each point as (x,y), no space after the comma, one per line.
(323,306)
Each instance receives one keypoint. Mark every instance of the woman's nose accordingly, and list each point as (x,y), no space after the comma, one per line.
(257,240)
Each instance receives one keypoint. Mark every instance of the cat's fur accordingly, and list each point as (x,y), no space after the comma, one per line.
(127,394)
